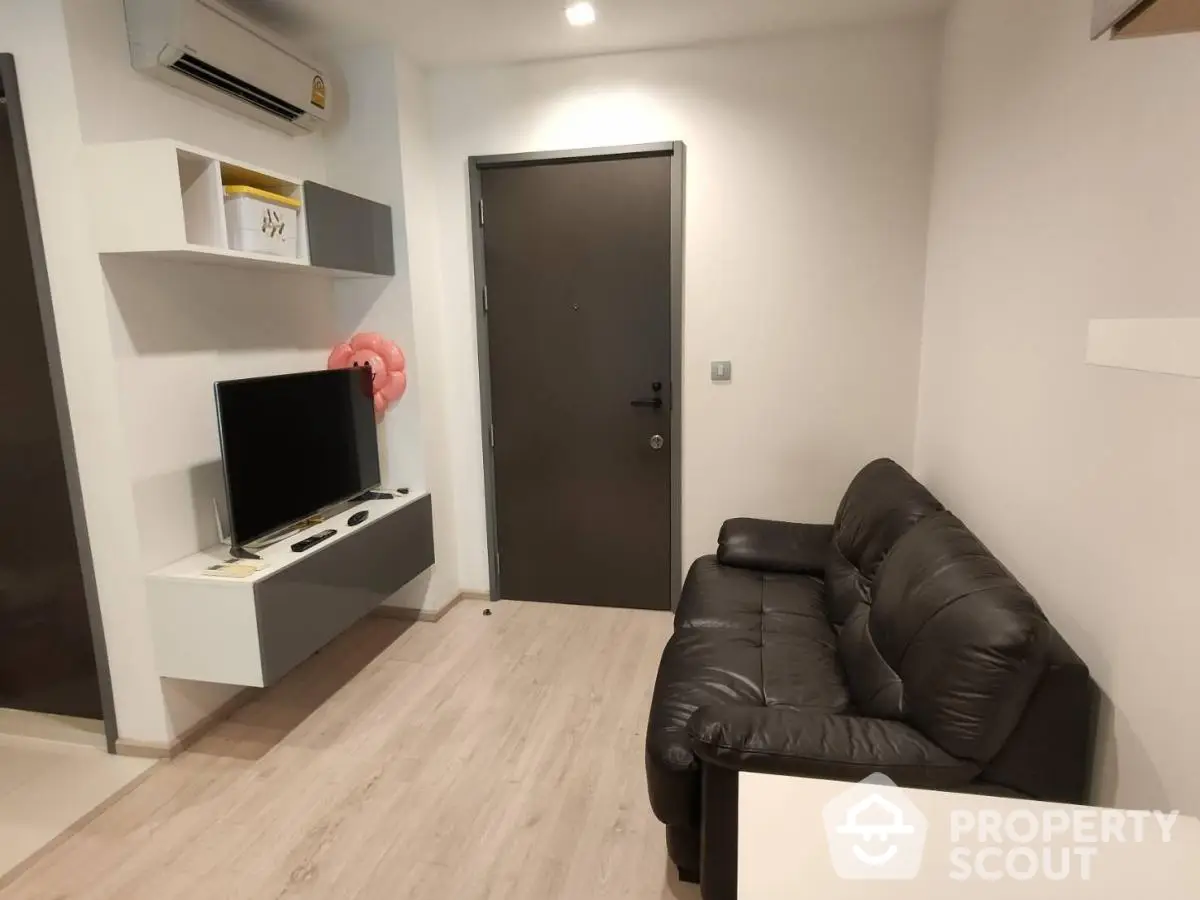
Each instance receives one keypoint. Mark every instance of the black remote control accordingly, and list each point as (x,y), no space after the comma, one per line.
(301,546)
(358,518)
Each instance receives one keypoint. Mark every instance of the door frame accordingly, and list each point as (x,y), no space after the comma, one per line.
(10,91)
(476,165)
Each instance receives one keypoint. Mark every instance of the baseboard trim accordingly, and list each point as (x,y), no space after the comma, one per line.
(427,615)
(142,749)
(157,750)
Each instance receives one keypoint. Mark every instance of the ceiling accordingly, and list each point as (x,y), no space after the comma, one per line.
(437,33)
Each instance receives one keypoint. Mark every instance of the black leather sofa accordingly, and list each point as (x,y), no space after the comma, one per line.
(891,641)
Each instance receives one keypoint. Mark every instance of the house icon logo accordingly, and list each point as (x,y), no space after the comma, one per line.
(875,832)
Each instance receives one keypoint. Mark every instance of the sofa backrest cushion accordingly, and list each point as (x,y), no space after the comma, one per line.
(952,644)
(881,505)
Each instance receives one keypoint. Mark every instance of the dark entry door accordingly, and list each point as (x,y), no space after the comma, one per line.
(578,263)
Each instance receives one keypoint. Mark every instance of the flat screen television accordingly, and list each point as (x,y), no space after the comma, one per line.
(293,445)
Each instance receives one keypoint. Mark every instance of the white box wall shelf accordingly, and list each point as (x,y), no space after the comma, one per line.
(1161,346)
(164,199)
(1144,18)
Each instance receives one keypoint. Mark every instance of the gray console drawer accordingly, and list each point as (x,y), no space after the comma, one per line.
(307,605)
(253,629)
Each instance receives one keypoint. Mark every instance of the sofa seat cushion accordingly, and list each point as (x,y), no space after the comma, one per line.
(744,639)
(716,596)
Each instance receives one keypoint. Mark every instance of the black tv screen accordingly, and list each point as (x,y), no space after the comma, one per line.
(293,445)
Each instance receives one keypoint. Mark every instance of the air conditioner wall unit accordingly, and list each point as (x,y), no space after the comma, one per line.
(205,48)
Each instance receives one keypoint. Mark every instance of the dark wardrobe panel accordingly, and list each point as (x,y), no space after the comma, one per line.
(347,232)
(47,655)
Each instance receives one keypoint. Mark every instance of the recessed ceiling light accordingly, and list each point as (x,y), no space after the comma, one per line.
(581,14)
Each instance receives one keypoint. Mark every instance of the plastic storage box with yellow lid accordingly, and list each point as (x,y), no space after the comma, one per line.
(259,221)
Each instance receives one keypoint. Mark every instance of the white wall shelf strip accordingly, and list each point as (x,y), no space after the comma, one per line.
(1164,346)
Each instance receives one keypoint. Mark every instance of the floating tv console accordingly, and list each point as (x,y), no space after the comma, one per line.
(252,631)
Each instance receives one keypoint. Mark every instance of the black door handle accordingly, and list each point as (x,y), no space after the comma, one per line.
(651,402)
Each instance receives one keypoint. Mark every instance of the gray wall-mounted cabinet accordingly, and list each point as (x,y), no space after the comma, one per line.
(347,232)
(308,604)
(1144,18)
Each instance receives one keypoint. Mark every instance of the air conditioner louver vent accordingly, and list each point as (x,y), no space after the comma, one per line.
(234,86)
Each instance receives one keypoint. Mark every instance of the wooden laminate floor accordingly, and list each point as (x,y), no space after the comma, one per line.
(482,757)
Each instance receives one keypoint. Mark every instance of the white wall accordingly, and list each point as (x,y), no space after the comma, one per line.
(809,164)
(143,341)
(379,148)
(421,212)
(363,156)
(1065,190)
(175,329)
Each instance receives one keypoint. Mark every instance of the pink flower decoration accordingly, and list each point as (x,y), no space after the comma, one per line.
(383,358)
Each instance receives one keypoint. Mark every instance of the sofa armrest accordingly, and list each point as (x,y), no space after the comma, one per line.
(823,745)
(774,546)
